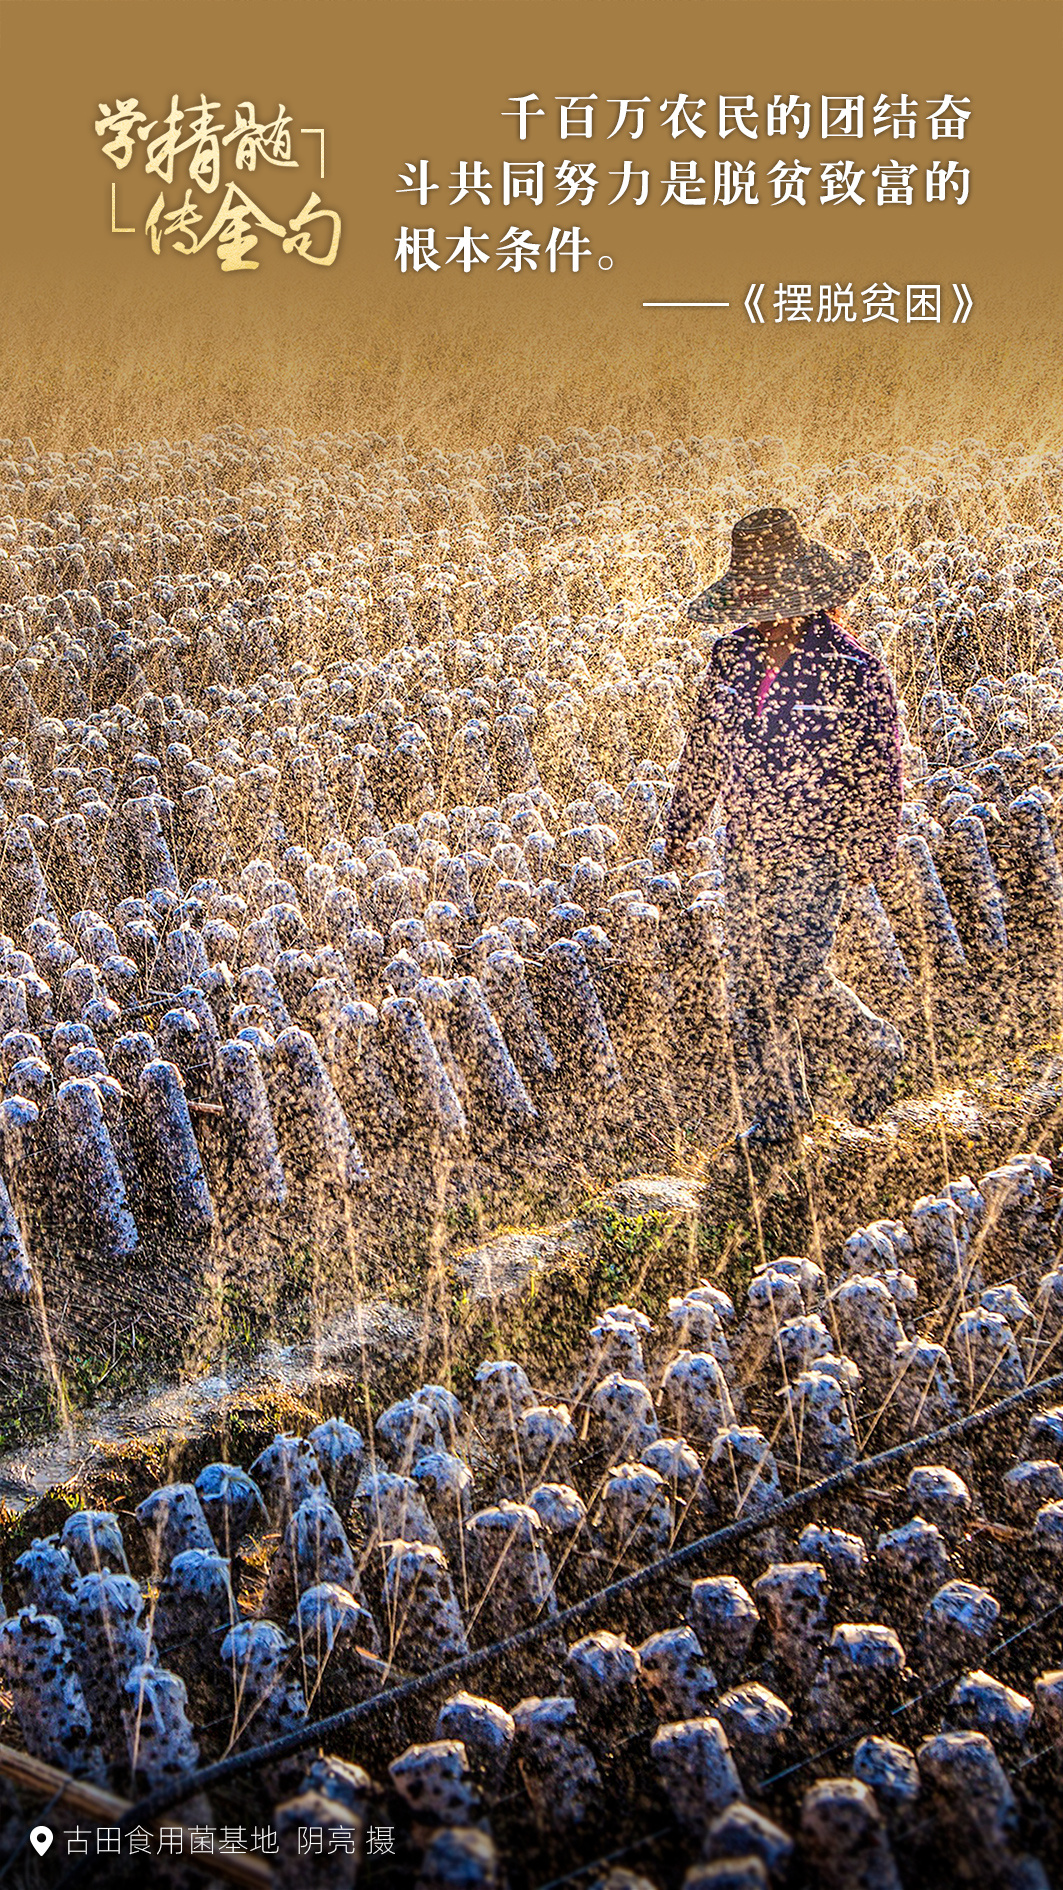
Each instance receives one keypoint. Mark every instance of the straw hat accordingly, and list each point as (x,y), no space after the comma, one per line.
(775,571)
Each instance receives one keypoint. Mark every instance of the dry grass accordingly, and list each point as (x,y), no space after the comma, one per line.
(100,368)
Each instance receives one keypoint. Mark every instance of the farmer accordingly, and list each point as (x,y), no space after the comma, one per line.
(796,736)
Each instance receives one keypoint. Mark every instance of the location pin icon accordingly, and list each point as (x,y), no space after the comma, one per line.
(41,1838)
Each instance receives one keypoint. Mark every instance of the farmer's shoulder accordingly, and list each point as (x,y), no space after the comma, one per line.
(843,643)
(729,650)
(719,672)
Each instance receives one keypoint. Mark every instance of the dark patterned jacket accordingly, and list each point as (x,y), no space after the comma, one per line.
(819,773)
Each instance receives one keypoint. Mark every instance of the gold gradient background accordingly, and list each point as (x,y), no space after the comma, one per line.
(102,340)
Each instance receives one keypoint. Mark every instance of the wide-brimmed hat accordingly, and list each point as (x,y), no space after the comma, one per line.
(775,571)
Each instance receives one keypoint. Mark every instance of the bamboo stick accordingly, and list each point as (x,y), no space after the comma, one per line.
(46,1781)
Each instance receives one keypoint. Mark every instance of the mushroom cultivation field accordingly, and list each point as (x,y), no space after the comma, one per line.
(558,1646)
(335,934)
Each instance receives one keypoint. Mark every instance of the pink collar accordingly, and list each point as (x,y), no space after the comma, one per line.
(762,692)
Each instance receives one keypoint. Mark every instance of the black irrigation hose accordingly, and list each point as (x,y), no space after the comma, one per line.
(148,1809)
(612,1857)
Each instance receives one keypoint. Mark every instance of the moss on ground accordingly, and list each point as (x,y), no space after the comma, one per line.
(842,1179)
